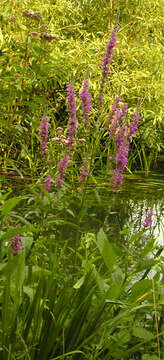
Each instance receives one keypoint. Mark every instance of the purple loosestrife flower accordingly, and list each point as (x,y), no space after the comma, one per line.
(16,243)
(121,135)
(85,102)
(62,166)
(47,183)
(133,126)
(72,121)
(106,61)
(114,107)
(72,130)
(44,134)
(148,219)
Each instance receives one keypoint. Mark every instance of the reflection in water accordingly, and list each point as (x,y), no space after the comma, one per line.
(127,208)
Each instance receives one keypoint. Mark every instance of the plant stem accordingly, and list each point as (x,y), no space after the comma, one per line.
(156,319)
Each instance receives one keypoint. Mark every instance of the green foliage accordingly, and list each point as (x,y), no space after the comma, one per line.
(106,250)
(53,307)
(81,30)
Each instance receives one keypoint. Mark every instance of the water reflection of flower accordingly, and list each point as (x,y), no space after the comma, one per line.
(148,218)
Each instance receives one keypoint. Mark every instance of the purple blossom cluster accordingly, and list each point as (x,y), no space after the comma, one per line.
(62,166)
(72,121)
(106,61)
(44,134)
(16,243)
(70,142)
(133,126)
(47,183)
(148,218)
(85,102)
(121,135)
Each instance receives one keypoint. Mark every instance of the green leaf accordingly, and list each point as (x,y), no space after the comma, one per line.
(28,291)
(106,249)
(18,87)
(67,354)
(149,357)
(79,283)
(63,222)
(123,336)
(100,282)
(140,290)
(19,230)
(1,37)
(148,247)
(71,212)
(2,266)
(10,204)
(19,265)
(114,292)
(145,264)
(142,333)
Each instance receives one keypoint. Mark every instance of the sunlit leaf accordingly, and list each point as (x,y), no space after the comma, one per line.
(142,333)
(106,250)
(10,204)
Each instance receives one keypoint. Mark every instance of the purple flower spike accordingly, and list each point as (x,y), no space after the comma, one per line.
(134,125)
(121,135)
(62,166)
(148,219)
(44,134)
(85,102)
(106,61)
(16,243)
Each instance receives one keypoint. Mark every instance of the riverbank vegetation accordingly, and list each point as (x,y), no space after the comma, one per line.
(81,108)
(35,70)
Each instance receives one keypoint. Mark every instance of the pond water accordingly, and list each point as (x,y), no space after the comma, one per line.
(114,211)
(128,207)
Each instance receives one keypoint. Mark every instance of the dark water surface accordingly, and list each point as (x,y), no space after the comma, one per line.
(128,207)
(114,211)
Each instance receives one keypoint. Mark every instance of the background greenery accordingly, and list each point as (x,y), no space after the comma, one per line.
(81,29)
